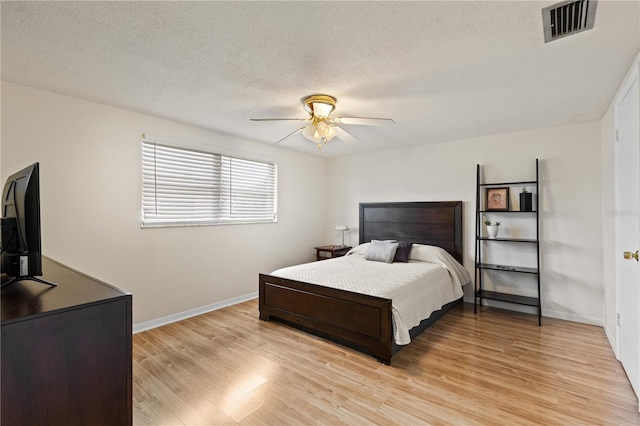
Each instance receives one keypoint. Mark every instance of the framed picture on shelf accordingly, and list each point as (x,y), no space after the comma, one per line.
(498,199)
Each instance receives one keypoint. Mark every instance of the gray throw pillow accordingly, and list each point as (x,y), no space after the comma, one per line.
(381,251)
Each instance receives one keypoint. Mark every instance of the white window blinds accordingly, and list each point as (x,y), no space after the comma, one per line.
(182,187)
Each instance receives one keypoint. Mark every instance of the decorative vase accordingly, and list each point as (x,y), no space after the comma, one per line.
(526,201)
(492,231)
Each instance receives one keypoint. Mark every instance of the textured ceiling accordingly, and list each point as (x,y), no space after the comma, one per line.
(443,70)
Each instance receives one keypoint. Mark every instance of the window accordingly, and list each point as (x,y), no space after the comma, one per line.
(183,187)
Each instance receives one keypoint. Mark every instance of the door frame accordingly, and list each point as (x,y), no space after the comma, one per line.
(632,77)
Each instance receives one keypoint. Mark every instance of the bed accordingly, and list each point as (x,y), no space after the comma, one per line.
(361,321)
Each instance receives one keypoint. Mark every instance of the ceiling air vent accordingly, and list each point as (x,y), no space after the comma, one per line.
(567,18)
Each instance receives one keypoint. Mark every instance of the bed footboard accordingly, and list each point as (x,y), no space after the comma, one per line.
(356,320)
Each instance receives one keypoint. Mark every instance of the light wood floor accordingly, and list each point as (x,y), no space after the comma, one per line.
(497,367)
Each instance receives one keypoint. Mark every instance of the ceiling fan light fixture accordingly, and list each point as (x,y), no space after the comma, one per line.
(319,133)
(310,132)
(319,105)
(331,133)
(323,129)
(322,110)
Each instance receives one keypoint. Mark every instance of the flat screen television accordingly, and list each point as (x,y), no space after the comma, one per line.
(21,243)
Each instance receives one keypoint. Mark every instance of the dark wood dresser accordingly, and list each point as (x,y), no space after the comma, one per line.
(66,351)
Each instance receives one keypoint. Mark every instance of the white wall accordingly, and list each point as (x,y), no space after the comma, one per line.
(90,163)
(90,172)
(571,219)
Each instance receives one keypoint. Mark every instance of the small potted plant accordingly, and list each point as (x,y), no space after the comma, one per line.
(526,200)
(492,230)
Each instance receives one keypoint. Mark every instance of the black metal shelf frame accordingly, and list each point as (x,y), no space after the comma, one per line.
(480,293)
(513,240)
(508,211)
(509,298)
(505,268)
(524,182)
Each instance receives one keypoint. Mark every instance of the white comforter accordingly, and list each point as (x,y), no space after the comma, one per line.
(430,280)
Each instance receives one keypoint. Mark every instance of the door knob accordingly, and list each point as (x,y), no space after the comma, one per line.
(630,255)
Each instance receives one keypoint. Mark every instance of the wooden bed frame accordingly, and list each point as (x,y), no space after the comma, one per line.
(357,320)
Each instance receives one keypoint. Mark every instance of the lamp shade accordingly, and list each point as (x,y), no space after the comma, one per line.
(343,229)
(311,133)
(321,109)
(322,129)
(332,133)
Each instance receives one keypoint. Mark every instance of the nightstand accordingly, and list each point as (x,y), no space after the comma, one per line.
(329,252)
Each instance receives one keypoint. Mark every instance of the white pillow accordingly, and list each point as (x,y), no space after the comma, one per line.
(359,249)
(382,251)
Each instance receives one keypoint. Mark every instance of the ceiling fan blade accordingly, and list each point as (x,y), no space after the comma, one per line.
(367,121)
(278,119)
(345,136)
(291,134)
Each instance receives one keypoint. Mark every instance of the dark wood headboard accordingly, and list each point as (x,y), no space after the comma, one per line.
(436,223)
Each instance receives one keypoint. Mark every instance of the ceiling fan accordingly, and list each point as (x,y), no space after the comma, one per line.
(321,127)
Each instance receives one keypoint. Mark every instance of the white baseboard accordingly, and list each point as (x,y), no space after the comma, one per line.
(545,313)
(573,317)
(148,325)
(611,336)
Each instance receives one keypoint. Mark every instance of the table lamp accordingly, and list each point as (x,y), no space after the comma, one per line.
(343,229)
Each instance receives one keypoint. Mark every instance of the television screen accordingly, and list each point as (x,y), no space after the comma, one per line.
(21,244)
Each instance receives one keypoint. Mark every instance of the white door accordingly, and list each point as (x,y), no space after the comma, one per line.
(627,222)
